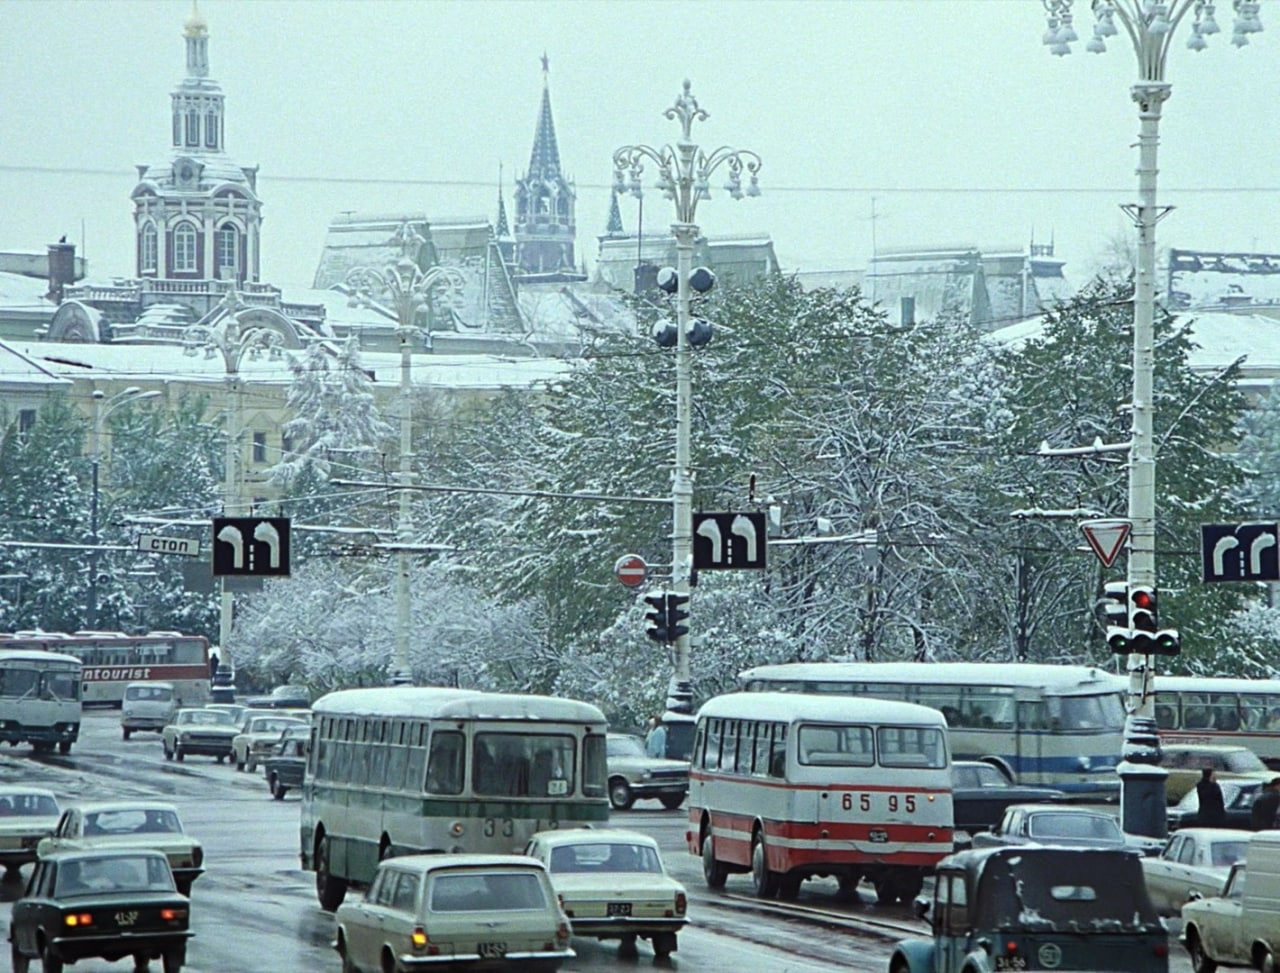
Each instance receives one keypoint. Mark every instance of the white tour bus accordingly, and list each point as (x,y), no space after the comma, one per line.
(1211,709)
(405,769)
(789,786)
(39,699)
(1043,725)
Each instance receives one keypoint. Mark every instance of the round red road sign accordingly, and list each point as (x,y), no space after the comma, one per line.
(630,569)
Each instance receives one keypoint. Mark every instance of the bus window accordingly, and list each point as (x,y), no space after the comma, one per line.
(836,746)
(764,732)
(1224,713)
(729,748)
(18,682)
(778,761)
(60,685)
(912,746)
(711,756)
(594,765)
(1091,712)
(444,765)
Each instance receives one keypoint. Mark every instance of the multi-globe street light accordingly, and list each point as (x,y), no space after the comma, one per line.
(684,173)
(1150,26)
(103,406)
(402,291)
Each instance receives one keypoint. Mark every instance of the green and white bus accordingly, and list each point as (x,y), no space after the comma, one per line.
(405,770)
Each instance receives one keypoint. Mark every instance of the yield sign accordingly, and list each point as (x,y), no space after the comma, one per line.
(1106,537)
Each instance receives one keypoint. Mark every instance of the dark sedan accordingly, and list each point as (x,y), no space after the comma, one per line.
(286,765)
(1237,795)
(980,792)
(108,904)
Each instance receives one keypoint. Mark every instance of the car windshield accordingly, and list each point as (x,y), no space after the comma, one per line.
(977,775)
(28,805)
(1091,827)
(466,891)
(127,821)
(125,873)
(601,857)
(625,746)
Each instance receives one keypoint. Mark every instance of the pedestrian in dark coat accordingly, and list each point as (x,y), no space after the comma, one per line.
(1263,813)
(1213,812)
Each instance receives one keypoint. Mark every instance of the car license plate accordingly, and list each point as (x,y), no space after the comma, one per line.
(878,835)
(618,909)
(492,950)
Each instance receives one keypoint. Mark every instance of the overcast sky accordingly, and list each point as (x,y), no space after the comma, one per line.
(946,118)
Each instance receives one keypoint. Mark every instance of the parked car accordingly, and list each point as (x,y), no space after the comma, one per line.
(27,814)
(1194,859)
(236,710)
(108,904)
(1047,824)
(285,767)
(1040,908)
(129,825)
(256,738)
(1237,796)
(613,885)
(147,706)
(1184,761)
(199,731)
(634,775)
(1240,926)
(980,793)
(283,697)
(467,911)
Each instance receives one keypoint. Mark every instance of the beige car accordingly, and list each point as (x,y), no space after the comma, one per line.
(129,824)
(199,731)
(1184,761)
(1195,859)
(27,814)
(462,911)
(259,734)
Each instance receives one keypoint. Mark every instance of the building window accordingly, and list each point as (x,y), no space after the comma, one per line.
(211,130)
(26,421)
(286,444)
(193,129)
(184,248)
(177,128)
(149,248)
(228,245)
(259,447)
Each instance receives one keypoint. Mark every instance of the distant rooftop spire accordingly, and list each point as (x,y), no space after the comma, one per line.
(545,158)
(503,229)
(614,227)
(196,31)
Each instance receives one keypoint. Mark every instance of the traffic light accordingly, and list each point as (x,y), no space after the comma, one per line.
(1143,633)
(655,619)
(677,615)
(1115,609)
(1142,610)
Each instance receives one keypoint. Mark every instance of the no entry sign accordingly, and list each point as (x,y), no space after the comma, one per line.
(630,569)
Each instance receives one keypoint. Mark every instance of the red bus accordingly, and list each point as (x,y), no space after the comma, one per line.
(111,660)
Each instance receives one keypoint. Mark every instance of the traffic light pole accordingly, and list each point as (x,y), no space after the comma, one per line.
(680,692)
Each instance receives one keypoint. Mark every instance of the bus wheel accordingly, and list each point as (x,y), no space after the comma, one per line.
(766,880)
(620,796)
(713,872)
(330,889)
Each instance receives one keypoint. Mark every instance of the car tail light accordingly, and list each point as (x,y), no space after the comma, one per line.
(173,915)
(1010,947)
(74,920)
(197,856)
(1161,949)
(682,903)
(419,938)
(562,933)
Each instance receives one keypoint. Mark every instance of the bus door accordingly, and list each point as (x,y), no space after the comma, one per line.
(1030,730)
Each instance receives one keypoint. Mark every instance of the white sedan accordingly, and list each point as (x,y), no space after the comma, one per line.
(614,886)
(254,742)
(27,814)
(1194,859)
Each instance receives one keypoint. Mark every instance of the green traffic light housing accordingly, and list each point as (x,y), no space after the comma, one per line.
(677,615)
(655,619)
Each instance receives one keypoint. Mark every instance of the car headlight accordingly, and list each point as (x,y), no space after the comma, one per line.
(647,775)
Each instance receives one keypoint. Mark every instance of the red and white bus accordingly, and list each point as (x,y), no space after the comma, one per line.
(112,660)
(789,786)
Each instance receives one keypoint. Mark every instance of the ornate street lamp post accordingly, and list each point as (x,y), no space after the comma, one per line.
(103,406)
(684,177)
(407,289)
(233,341)
(1150,26)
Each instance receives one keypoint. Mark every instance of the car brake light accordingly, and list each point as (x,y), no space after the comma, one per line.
(76,919)
(1011,947)
(562,932)
(197,856)
(418,937)
(1161,949)
(169,915)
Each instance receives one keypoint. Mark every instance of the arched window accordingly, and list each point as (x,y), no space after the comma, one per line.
(211,130)
(149,249)
(193,128)
(177,128)
(228,251)
(184,248)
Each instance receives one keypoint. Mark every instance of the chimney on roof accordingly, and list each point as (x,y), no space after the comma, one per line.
(62,268)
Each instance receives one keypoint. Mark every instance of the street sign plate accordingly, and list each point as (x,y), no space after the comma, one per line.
(630,569)
(257,546)
(1240,552)
(1106,537)
(729,541)
(160,544)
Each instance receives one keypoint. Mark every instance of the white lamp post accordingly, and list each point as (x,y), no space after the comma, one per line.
(408,293)
(233,342)
(684,175)
(103,406)
(1150,26)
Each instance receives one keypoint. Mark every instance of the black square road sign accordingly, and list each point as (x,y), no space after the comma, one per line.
(1240,552)
(257,546)
(729,540)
